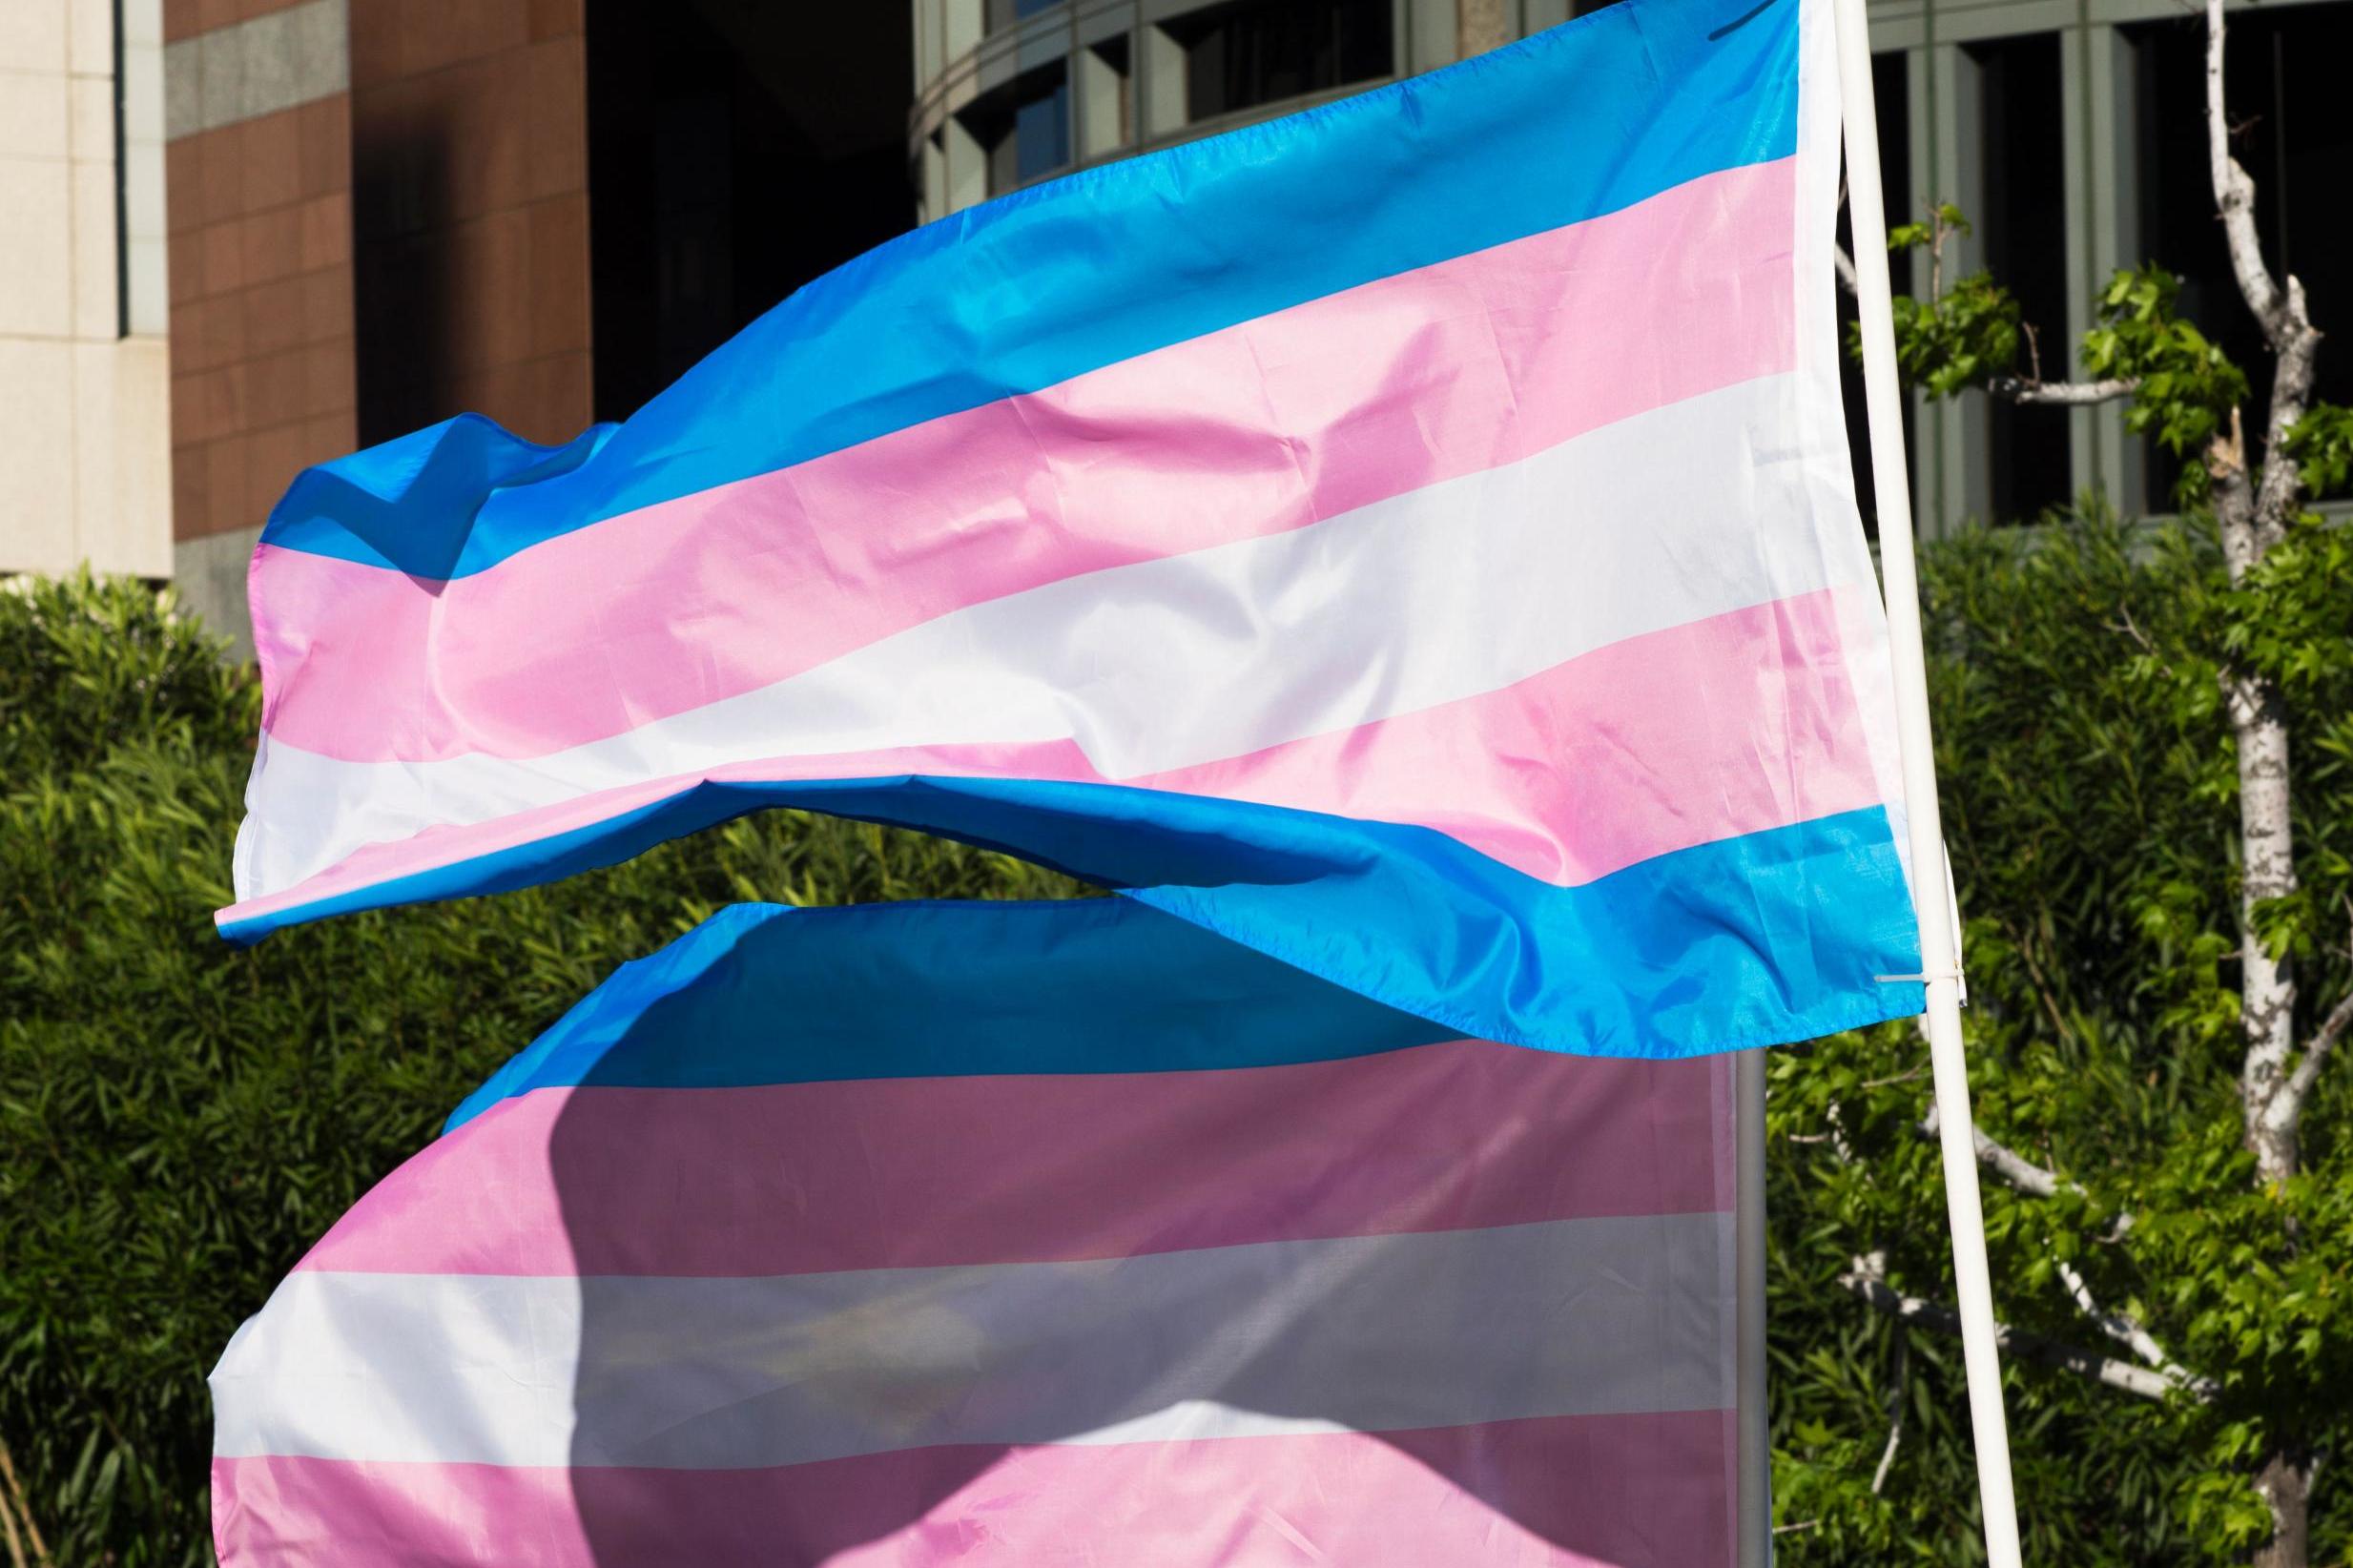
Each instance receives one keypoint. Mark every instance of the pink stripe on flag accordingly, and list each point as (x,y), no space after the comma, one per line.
(1646,1491)
(1735,724)
(1302,415)
(885,1173)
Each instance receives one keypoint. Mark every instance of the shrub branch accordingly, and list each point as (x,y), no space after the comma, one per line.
(1867,1283)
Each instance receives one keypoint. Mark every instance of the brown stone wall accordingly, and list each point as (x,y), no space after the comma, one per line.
(258,204)
(262,379)
(470,145)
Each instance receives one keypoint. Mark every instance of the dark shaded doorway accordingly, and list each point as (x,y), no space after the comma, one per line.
(2022,227)
(736,150)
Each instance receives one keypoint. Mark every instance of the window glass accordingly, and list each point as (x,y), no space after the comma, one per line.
(1024,125)
(1003,14)
(2022,223)
(1042,131)
(1261,51)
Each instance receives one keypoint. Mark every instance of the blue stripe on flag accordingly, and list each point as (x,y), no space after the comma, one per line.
(1024,291)
(768,994)
(1706,949)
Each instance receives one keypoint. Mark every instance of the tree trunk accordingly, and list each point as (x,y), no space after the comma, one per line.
(2268,991)
(2285,1483)
(2259,724)
(2253,514)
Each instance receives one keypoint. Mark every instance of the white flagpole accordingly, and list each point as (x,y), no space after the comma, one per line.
(1940,961)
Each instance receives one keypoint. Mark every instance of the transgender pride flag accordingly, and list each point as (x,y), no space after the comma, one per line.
(1413,538)
(1006,1236)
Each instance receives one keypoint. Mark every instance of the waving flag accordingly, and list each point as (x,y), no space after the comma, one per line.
(1413,538)
(1008,1234)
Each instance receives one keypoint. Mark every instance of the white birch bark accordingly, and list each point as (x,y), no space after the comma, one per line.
(2253,514)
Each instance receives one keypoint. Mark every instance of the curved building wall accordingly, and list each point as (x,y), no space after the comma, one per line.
(1010,91)
(2060,130)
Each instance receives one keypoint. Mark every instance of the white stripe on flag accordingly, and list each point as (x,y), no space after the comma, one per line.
(1695,509)
(1592,1316)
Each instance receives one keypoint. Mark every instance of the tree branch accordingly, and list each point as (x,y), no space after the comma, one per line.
(1870,1287)
(2021,389)
(2316,1052)
(24,1509)
(2297,345)
(2234,193)
(2017,1171)
(2014,1170)
(2285,1108)
(8,1527)
(1895,1415)
(2126,1332)
(2287,322)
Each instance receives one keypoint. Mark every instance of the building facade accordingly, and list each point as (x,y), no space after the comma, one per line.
(2069,130)
(85,366)
(238,237)
(378,217)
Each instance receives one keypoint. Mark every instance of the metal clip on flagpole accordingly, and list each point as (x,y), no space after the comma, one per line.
(1939,954)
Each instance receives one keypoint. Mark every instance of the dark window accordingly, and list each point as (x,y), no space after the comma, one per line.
(1042,131)
(1003,14)
(2022,227)
(1259,51)
(1892,102)
(2285,96)
(699,114)
(1025,127)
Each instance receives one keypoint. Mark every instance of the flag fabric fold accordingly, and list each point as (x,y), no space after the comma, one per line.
(1413,538)
(1009,1234)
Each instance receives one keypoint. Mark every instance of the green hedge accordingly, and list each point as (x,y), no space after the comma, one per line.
(178,1119)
